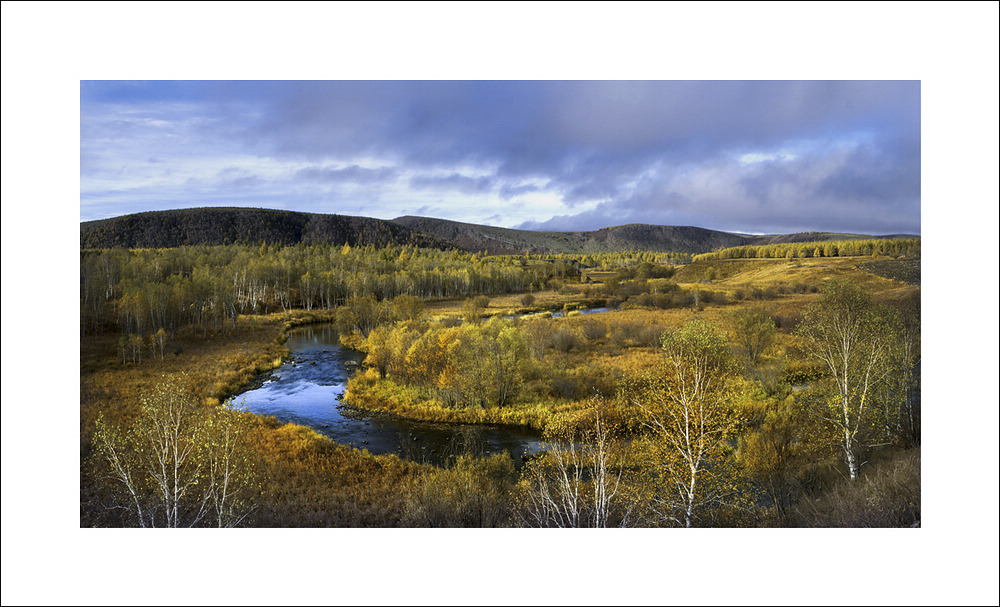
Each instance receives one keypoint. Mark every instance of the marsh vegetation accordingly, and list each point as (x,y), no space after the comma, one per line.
(675,407)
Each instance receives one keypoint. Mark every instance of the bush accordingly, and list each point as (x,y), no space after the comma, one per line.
(473,308)
(788,322)
(626,334)
(652,300)
(471,492)
(754,331)
(566,386)
(886,495)
(593,329)
(649,336)
(714,297)
(564,340)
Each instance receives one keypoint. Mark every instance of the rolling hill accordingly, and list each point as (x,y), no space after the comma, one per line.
(225,225)
(644,237)
(231,225)
(500,241)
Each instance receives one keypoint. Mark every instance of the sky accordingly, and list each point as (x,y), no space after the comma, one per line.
(752,156)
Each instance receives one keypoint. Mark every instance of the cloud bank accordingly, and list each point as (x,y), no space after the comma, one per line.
(754,156)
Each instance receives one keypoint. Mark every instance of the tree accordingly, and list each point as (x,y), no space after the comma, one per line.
(687,405)
(178,464)
(902,391)
(135,342)
(407,307)
(754,331)
(579,481)
(853,339)
(473,308)
(160,340)
(377,347)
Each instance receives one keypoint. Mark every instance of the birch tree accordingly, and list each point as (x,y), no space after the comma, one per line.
(853,339)
(579,481)
(178,464)
(903,401)
(686,404)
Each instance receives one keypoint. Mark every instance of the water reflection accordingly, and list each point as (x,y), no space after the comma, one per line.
(307,389)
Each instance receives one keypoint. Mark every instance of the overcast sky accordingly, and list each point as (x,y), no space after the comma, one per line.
(746,156)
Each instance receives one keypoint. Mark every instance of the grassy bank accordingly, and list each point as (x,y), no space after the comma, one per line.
(309,481)
(369,392)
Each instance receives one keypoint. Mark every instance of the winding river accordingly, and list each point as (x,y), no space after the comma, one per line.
(306,390)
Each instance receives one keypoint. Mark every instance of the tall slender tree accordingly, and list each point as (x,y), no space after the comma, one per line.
(687,404)
(853,339)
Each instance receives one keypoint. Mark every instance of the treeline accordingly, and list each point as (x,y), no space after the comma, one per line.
(204,288)
(893,247)
(614,260)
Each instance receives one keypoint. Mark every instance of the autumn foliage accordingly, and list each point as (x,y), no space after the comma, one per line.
(691,404)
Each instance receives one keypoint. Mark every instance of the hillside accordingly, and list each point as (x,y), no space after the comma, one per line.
(230,225)
(508,241)
(816,237)
(636,236)
(222,225)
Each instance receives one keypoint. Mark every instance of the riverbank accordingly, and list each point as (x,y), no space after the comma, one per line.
(311,481)
(369,393)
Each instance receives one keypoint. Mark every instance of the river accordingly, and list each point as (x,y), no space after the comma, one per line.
(307,388)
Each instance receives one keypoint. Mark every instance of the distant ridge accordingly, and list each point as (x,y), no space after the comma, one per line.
(233,225)
(635,236)
(508,241)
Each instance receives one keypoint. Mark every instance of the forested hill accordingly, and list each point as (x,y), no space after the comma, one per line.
(636,236)
(220,226)
(682,239)
(225,225)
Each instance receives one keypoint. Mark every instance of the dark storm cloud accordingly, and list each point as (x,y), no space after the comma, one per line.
(541,127)
(609,149)
(594,140)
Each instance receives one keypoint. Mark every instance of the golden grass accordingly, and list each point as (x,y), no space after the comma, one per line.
(214,368)
(311,480)
(367,391)
(315,482)
(812,272)
(508,304)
